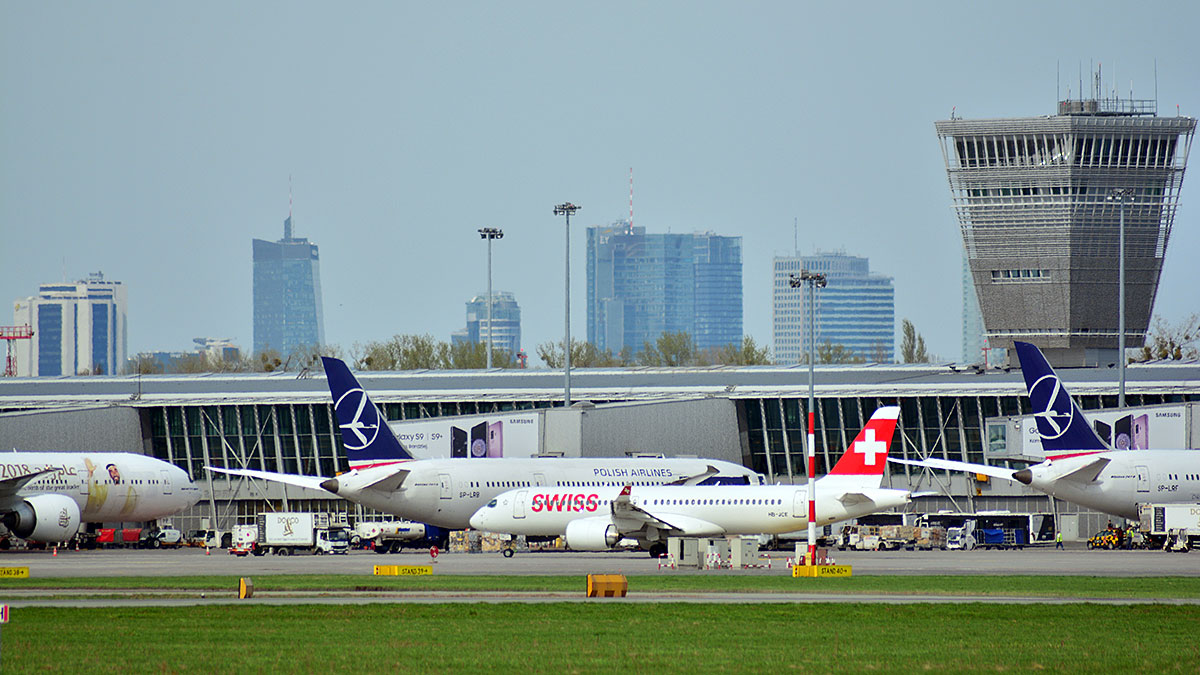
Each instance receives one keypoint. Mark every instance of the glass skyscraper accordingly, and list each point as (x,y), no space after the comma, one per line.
(640,286)
(856,310)
(506,322)
(78,329)
(287,294)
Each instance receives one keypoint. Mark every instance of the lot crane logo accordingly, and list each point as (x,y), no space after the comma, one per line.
(364,423)
(1058,413)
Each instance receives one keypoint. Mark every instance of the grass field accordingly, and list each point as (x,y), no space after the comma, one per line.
(604,637)
(1041,586)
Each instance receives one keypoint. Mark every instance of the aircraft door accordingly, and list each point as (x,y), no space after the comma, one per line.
(166,482)
(447,485)
(800,504)
(519,504)
(1143,479)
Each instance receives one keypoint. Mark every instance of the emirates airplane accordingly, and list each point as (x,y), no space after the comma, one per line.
(445,493)
(1079,466)
(44,496)
(595,519)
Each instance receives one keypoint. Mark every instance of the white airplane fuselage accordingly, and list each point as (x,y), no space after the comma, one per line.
(1131,477)
(447,492)
(144,488)
(729,509)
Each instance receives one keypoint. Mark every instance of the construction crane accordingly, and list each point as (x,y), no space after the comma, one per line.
(10,334)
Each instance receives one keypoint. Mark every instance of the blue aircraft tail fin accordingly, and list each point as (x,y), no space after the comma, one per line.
(365,433)
(1061,425)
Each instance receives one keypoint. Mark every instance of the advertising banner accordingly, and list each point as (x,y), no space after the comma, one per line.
(1138,429)
(509,434)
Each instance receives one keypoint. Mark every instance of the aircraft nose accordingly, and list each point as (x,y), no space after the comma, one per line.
(1024,475)
(330,485)
(478,521)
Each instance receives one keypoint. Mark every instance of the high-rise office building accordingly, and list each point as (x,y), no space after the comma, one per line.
(287,294)
(1037,203)
(78,329)
(856,309)
(640,286)
(506,322)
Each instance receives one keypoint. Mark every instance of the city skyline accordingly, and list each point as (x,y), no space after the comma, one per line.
(151,141)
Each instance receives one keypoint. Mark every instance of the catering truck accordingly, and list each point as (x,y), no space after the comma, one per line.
(285,533)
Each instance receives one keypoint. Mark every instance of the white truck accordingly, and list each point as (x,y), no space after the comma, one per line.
(285,533)
(1174,527)
(387,536)
(245,541)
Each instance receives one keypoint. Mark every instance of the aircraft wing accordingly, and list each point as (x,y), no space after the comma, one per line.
(949,465)
(696,479)
(630,518)
(1086,473)
(387,478)
(10,486)
(311,482)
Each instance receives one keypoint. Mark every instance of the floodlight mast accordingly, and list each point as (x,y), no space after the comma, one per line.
(1121,195)
(490,233)
(567,209)
(814,281)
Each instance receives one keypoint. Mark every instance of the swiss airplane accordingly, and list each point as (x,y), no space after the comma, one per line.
(446,492)
(1080,467)
(44,496)
(595,519)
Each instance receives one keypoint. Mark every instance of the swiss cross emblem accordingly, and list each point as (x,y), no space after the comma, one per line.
(869,447)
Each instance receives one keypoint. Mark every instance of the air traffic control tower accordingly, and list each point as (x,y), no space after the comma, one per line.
(1034,197)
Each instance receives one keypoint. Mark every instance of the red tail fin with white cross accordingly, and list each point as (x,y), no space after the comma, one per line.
(867,455)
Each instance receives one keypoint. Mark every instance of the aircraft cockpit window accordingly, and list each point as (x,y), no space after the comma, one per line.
(492,504)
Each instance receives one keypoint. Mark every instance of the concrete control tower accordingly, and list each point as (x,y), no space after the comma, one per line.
(1034,197)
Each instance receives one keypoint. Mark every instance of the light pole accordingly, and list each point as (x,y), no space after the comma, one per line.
(567,209)
(490,233)
(1121,195)
(814,281)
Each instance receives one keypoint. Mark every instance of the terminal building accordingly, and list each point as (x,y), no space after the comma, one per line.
(753,415)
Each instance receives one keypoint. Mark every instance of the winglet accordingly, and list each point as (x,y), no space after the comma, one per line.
(867,455)
(1060,423)
(365,433)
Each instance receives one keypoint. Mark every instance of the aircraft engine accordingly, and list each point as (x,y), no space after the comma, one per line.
(592,534)
(44,518)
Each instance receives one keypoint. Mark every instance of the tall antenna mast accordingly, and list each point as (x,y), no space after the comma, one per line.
(287,224)
(796,235)
(631,200)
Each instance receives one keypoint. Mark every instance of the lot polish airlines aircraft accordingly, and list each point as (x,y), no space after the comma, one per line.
(596,519)
(446,492)
(44,496)
(1079,467)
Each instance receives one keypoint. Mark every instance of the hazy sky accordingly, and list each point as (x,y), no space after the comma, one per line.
(152,141)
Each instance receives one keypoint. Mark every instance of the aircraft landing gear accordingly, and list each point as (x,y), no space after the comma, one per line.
(658,550)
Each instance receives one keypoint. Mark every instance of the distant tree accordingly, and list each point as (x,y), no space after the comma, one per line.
(670,350)
(143,364)
(1171,342)
(748,353)
(583,355)
(402,352)
(912,345)
(831,353)
(266,361)
(878,353)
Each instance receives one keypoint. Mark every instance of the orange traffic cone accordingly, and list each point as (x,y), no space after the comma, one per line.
(207,551)
(55,552)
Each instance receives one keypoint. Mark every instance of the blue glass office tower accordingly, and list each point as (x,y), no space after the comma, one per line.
(287,294)
(79,328)
(643,285)
(506,322)
(856,310)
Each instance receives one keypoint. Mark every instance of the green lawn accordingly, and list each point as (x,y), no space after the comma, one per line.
(603,637)
(1046,586)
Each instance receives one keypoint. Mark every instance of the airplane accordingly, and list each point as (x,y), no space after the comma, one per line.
(444,493)
(45,496)
(1079,467)
(595,519)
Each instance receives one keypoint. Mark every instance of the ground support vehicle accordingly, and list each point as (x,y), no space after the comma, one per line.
(961,538)
(244,541)
(1001,537)
(1174,527)
(389,536)
(167,537)
(210,539)
(285,533)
